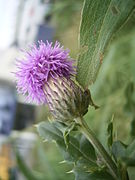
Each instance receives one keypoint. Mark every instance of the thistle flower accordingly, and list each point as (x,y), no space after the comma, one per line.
(39,65)
(45,75)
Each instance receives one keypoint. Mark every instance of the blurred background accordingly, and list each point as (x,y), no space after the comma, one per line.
(23,155)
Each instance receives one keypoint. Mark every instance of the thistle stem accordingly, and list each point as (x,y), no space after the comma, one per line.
(124,173)
(83,127)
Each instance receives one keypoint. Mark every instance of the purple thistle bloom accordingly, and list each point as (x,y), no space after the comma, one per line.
(39,66)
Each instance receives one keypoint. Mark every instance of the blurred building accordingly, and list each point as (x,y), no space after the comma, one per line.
(7,108)
(22,23)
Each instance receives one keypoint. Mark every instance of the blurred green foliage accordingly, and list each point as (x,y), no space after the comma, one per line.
(63,11)
(47,164)
(114,89)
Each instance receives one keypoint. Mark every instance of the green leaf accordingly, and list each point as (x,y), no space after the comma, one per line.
(100,22)
(131,172)
(110,133)
(118,150)
(48,131)
(131,150)
(124,153)
(132,131)
(67,132)
(129,93)
(84,174)
(87,148)
(73,153)
(129,161)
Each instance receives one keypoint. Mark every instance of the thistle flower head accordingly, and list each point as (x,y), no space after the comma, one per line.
(45,76)
(39,65)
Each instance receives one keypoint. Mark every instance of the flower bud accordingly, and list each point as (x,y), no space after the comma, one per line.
(66,99)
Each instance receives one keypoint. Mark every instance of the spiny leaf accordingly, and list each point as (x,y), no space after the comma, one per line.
(67,132)
(83,173)
(73,153)
(100,22)
(49,132)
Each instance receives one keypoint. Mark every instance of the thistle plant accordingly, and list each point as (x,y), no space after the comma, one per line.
(48,76)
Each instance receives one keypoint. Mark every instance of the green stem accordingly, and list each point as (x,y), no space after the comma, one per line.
(124,173)
(83,127)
